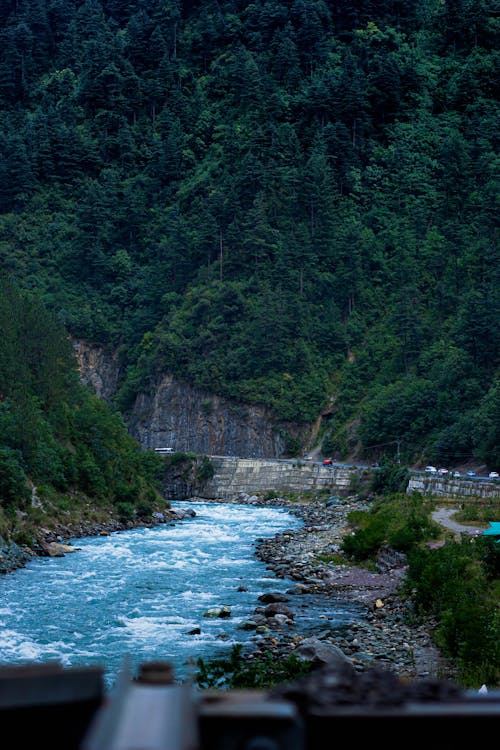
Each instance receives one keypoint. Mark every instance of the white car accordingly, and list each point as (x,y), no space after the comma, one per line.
(431,469)
(443,471)
(493,475)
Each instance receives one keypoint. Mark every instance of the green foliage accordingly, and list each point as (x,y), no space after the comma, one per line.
(400,521)
(205,470)
(238,672)
(53,431)
(126,511)
(293,205)
(390,477)
(456,585)
(14,489)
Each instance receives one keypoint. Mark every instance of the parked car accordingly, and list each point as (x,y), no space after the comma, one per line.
(443,471)
(456,474)
(493,475)
(328,462)
(431,469)
(471,473)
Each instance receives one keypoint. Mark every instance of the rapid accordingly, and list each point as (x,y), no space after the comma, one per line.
(142,594)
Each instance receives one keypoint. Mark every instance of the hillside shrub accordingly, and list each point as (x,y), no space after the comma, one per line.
(457,586)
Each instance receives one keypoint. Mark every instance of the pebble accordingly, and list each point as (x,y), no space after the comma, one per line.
(388,635)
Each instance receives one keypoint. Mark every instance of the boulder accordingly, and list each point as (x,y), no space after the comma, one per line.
(319,654)
(273,596)
(223,611)
(278,608)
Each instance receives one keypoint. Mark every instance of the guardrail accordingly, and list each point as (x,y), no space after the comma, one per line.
(70,708)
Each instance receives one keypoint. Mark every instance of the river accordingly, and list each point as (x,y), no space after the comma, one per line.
(134,596)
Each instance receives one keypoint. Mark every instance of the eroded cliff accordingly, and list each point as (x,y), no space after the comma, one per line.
(174,414)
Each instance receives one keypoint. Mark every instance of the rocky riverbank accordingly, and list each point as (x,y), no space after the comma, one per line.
(387,637)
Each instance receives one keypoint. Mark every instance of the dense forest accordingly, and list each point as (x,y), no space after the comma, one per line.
(286,202)
(59,444)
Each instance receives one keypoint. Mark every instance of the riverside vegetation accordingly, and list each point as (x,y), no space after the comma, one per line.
(450,588)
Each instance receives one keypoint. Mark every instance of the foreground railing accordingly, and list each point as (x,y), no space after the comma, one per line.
(69,709)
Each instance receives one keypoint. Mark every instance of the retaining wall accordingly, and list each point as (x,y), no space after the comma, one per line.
(233,475)
(453,487)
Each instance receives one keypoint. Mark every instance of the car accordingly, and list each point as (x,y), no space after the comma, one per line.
(308,458)
(443,471)
(493,475)
(431,469)
(327,462)
(456,474)
(471,473)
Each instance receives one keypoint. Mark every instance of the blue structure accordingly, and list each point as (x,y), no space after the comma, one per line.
(494,530)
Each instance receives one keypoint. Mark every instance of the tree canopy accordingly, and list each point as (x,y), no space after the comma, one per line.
(290,202)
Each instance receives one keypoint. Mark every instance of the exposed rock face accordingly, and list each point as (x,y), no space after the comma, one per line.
(190,420)
(12,556)
(98,367)
(174,414)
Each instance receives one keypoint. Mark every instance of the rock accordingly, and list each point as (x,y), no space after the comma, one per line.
(223,611)
(278,608)
(52,549)
(319,653)
(273,596)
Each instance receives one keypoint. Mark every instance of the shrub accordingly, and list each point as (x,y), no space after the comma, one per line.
(13,481)
(204,470)
(264,671)
(126,511)
(456,585)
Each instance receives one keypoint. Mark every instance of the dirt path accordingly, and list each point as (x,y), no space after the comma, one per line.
(443,516)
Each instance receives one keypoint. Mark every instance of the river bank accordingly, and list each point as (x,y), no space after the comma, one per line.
(386,636)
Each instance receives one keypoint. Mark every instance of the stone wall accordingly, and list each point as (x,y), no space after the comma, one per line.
(453,488)
(234,475)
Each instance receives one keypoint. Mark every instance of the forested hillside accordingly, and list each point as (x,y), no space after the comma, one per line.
(292,202)
(60,445)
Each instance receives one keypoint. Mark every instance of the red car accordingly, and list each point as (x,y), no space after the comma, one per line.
(327,462)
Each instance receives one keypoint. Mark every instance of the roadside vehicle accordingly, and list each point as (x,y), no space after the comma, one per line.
(431,469)
(456,474)
(493,475)
(327,462)
(471,473)
(443,471)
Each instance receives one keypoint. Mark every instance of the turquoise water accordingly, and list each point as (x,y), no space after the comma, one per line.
(135,595)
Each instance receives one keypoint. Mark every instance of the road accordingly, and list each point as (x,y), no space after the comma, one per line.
(443,516)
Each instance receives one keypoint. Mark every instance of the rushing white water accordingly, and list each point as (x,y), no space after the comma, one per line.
(136,594)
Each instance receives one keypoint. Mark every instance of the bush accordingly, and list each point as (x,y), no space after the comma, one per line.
(265,671)
(365,543)
(456,585)
(205,470)
(400,521)
(126,511)
(13,481)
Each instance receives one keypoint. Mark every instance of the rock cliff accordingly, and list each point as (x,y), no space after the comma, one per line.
(174,414)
